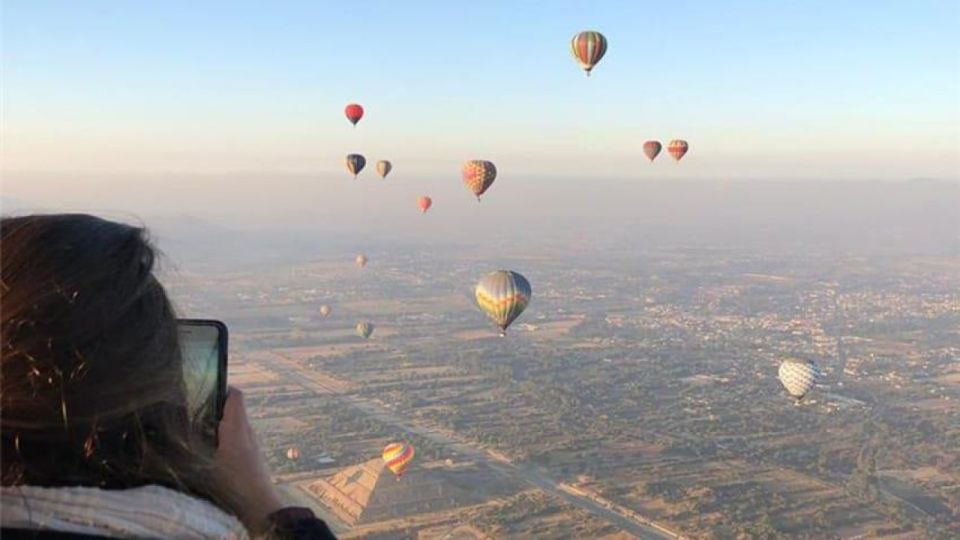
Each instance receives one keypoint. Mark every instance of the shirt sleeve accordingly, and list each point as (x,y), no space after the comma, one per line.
(297,523)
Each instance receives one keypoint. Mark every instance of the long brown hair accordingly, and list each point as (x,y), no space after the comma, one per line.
(91,390)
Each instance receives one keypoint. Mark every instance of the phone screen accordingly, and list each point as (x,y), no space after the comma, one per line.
(204,347)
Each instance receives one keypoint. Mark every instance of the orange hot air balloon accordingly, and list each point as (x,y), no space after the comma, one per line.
(424,203)
(652,149)
(397,457)
(354,113)
(678,148)
(479,175)
(588,48)
(293,453)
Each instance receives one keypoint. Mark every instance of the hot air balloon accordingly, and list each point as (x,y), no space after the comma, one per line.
(798,376)
(503,295)
(361,260)
(678,148)
(397,457)
(364,329)
(424,203)
(478,175)
(355,163)
(293,453)
(324,310)
(384,167)
(588,48)
(652,149)
(354,113)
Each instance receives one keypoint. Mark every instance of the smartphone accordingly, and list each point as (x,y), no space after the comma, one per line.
(203,344)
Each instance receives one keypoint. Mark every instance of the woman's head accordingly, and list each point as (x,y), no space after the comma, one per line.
(91,369)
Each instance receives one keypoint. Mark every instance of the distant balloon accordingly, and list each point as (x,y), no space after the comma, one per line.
(678,148)
(424,203)
(364,329)
(355,163)
(798,376)
(503,295)
(652,149)
(293,453)
(397,457)
(588,48)
(361,260)
(354,113)
(324,310)
(384,167)
(478,175)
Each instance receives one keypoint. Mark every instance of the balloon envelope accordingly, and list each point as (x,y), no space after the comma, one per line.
(354,113)
(478,175)
(503,295)
(364,329)
(798,376)
(384,167)
(361,260)
(677,148)
(293,453)
(652,149)
(355,163)
(397,457)
(588,48)
(324,310)
(424,203)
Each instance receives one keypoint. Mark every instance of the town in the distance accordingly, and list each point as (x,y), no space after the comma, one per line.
(636,397)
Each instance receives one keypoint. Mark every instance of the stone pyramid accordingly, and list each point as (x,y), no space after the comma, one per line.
(369,492)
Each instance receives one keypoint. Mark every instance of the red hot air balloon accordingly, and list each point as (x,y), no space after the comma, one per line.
(652,149)
(424,203)
(354,113)
(588,48)
(678,148)
(478,175)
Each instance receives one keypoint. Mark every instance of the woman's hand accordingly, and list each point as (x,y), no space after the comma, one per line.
(242,475)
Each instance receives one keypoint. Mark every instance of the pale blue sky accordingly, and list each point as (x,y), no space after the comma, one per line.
(812,89)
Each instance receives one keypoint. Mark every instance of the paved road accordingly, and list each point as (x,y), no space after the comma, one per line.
(535,477)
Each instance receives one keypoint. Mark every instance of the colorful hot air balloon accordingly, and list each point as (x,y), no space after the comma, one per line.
(361,260)
(384,167)
(293,453)
(588,48)
(324,310)
(424,203)
(397,457)
(478,175)
(798,376)
(355,163)
(364,329)
(354,113)
(652,149)
(678,148)
(503,295)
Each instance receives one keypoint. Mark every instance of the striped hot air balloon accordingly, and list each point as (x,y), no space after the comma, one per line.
(354,113)
(588,48)
(478,175)
(677,148)
(364,329)
(799,376)
(503,295)
(397,457)
(424,203)
(355,163)
(652,149)
(384,167)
